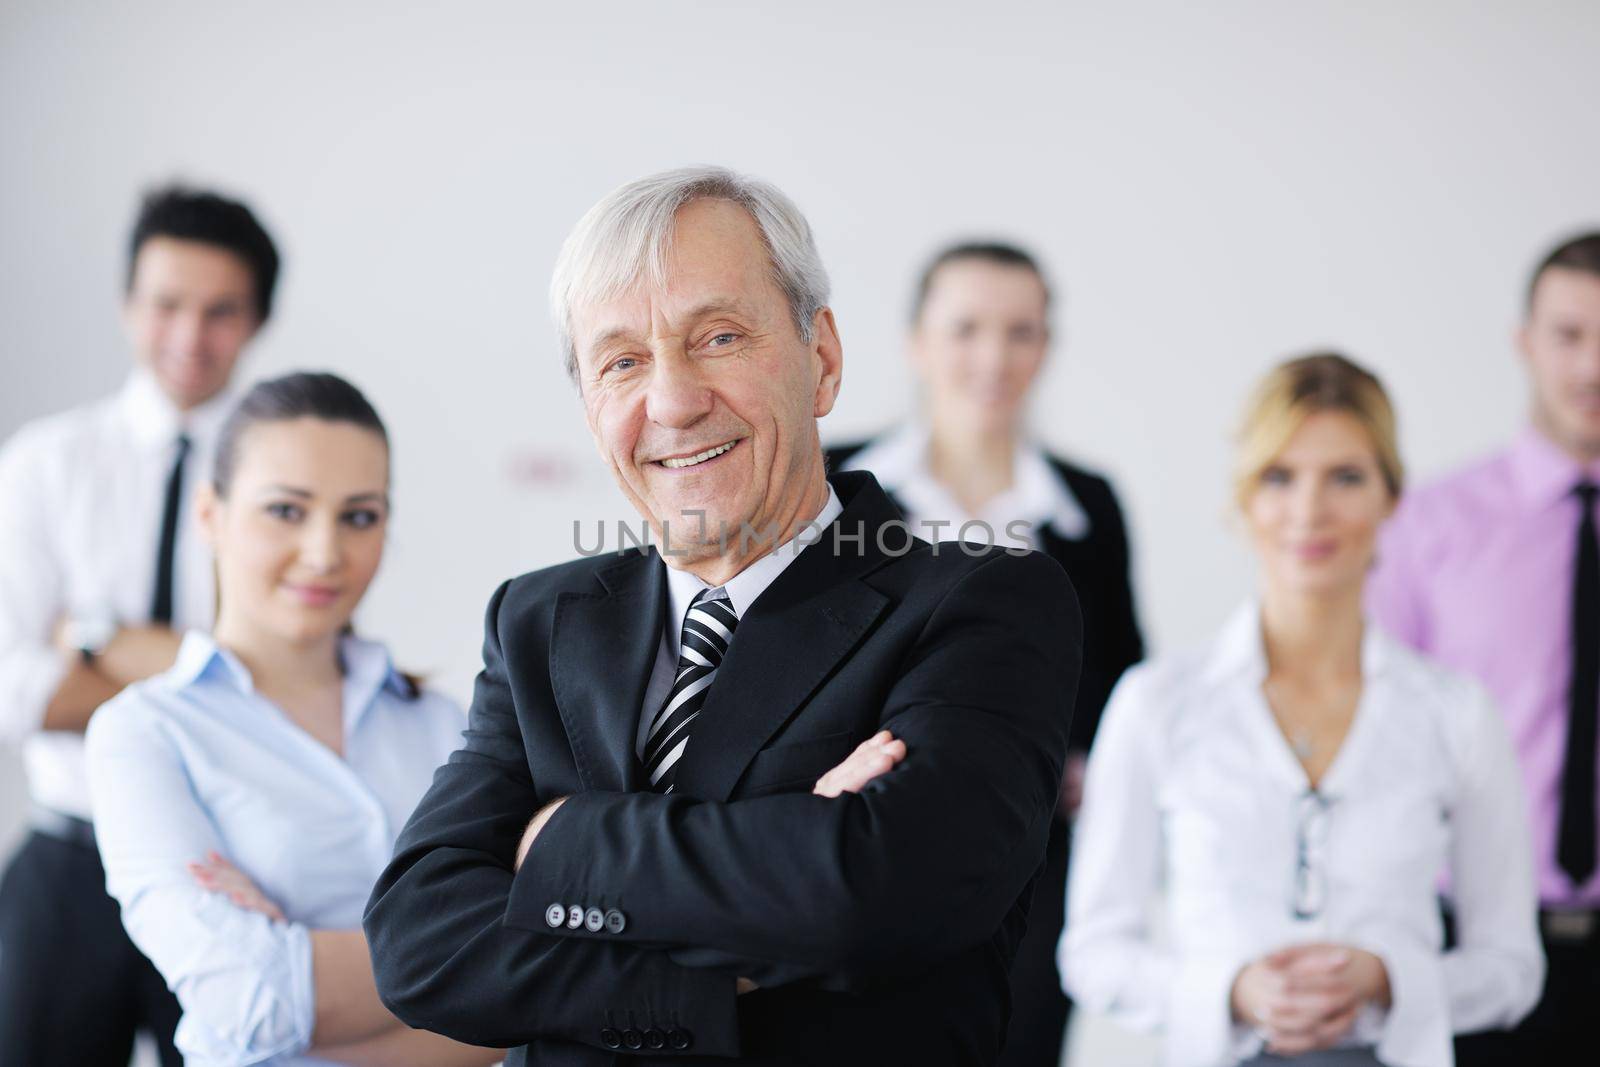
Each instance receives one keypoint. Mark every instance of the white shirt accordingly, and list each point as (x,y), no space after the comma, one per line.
(1037,496)
(194,760)
(1191,781)
(81,499)
(743,589)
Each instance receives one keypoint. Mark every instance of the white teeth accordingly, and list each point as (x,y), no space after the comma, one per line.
(689,461)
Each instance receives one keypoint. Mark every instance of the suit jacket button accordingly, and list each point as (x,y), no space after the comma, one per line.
(654,1039)
(574,917)
(633,1039)
(555,914)
(610,1038)
(593,920)
(679,1039)
(616,922)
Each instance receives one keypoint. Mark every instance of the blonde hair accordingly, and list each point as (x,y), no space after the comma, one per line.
(1295,390)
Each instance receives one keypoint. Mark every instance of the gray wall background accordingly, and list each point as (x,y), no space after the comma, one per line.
(1213,186)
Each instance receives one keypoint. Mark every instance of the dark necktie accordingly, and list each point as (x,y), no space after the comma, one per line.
(1575,845)
(707,629)
(161,603)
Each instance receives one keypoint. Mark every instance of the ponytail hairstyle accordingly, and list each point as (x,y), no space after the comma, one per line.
(301,395)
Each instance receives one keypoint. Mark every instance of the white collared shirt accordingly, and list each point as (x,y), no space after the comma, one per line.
(1192,784)
(743,589)
(194,760)
(81,499)
(1037,496)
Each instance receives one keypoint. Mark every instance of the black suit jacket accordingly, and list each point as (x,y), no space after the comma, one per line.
(1098,564)
(880,926)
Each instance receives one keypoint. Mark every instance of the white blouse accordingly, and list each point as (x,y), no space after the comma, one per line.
(1192,785)
(1036,498)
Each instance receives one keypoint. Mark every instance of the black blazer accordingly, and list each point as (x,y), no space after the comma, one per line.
(879,926)
(1098,565)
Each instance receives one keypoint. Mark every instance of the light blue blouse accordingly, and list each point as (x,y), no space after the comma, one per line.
(193,760)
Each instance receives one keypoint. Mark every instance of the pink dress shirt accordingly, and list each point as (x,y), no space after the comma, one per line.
(1476,570)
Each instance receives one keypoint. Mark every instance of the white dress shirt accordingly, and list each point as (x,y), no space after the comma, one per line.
(194,760)
(743,588)
(1192,783)
(1037,496)
(81,498)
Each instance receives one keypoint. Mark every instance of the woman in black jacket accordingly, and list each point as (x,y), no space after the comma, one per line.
(967,470)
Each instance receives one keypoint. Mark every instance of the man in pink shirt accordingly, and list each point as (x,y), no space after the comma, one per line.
(1495,571)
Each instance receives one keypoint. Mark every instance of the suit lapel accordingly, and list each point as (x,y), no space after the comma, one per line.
(790,640)
(602,649)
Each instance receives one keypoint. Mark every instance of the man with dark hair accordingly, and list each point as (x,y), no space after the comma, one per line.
(1495,570)
(100,573)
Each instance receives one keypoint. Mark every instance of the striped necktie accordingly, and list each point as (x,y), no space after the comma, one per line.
(707,629)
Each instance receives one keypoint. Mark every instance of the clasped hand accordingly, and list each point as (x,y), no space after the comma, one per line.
(1307,997)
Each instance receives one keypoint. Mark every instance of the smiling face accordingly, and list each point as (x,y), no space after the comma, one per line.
(979,342)
(300,535)
(702,396)
(189,312)
(1561,342)
(1315,510)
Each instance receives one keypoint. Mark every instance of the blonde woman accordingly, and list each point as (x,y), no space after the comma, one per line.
(1298,786)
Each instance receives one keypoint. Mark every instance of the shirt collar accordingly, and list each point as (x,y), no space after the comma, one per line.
(199,656)
(1239,652)
(155,420)
(1543,473)
(1037,495)
(368,671)
(744,587)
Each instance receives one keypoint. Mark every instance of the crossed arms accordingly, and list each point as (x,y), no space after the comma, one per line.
(793,888)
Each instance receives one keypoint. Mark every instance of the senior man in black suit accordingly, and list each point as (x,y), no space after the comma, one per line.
(776,790)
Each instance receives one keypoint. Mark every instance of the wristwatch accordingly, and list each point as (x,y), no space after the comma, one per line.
(89,634)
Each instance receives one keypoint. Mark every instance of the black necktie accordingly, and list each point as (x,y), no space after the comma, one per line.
(161,603)
(1575,845)
(707,630)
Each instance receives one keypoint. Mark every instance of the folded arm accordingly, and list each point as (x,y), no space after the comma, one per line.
(922,863)
(32,598)
(251,984)
(245,982)
(443,955)
(44,685)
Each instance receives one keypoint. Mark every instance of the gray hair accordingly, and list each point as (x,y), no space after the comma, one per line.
(627,237)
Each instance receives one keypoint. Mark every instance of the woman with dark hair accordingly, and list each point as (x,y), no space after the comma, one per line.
(967,469)
(1294,790)
(246,799)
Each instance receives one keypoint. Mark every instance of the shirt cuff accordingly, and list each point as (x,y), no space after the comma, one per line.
(271,1013)
(1201,1014)
(1416,1028)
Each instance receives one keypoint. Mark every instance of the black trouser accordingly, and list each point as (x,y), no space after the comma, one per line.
(73,989)
(1563,1019)
(1039,1008)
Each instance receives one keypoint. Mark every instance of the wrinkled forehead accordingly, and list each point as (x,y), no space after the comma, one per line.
(716,262)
